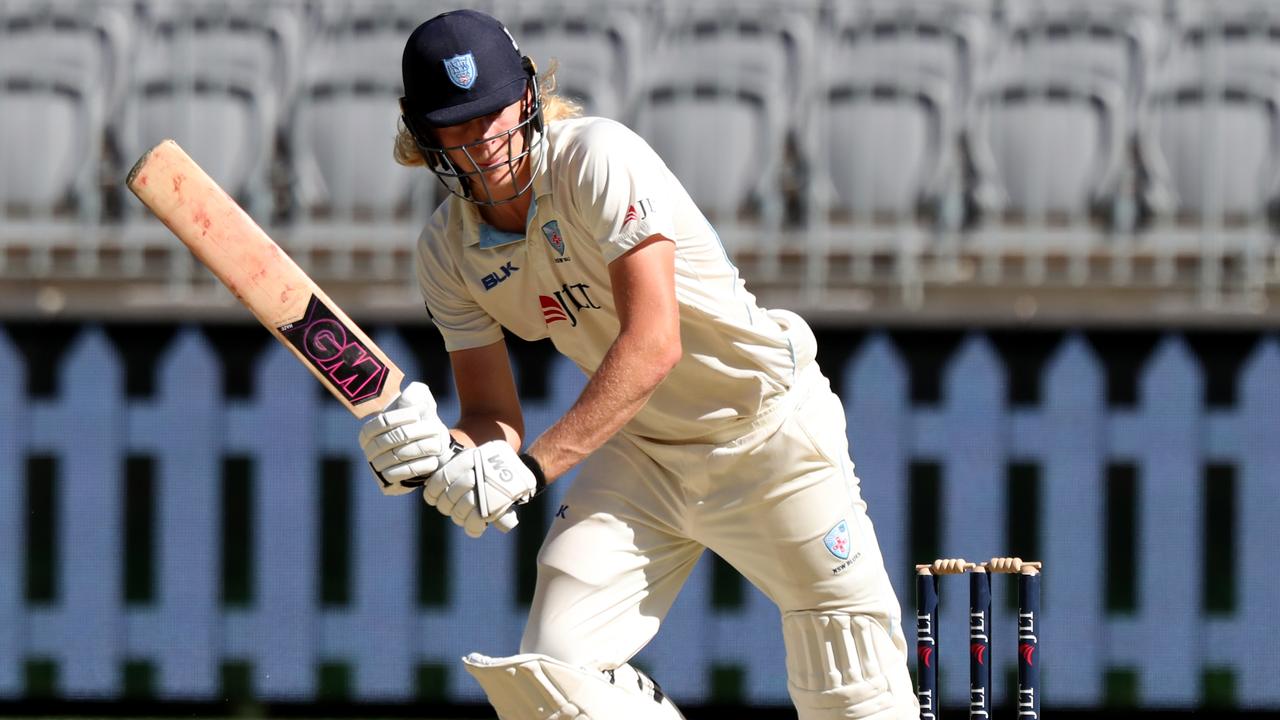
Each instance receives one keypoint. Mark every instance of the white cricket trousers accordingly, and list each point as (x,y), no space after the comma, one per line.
(769,502)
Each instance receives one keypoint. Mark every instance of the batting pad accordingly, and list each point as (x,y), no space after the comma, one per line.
(842,666)
(536,687)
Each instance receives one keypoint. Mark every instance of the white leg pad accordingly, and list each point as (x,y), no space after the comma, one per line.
(535,687)
(842,666)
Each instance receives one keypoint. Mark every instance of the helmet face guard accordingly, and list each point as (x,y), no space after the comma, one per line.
(471,185)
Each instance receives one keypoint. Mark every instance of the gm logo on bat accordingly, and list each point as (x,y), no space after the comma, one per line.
(338,354)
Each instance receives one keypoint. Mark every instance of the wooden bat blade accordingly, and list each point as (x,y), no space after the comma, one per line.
(283,298)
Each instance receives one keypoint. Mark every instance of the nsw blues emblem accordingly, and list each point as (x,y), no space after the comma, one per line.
(837,540)
(462,70)
(554,238)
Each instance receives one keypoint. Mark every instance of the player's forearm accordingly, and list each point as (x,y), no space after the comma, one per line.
(631,370)
(474,430)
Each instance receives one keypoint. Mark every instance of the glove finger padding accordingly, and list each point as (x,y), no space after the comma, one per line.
(391,487)
(434,489)
(457,500)
(475,526)
(388,420)
(413,473)
(461,486)
(464,512)
(403,435)
(431,448)
(405,443)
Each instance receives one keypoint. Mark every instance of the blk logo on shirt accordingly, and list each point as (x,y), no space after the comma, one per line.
(567,303)
(494,279)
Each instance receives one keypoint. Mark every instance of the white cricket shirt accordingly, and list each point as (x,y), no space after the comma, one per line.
(599,190)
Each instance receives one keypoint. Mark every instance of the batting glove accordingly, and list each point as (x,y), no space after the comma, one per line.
(406,442)
(483,485)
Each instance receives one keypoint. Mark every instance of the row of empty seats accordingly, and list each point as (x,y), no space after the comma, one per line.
(950,114)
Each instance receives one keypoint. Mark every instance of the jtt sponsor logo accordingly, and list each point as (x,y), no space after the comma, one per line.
(567,303)
(978,703)
(638,210)
(926,704)
(1028,641)
(1027,703)
(978,626)
(924,629)
(978,639)
(926,645)
(1027,627)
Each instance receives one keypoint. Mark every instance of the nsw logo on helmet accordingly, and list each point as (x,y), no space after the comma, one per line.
(461,70)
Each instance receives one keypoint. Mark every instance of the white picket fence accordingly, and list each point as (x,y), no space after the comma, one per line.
(188,427)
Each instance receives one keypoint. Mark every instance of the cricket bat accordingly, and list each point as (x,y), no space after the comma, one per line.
(287,302)
(283,298)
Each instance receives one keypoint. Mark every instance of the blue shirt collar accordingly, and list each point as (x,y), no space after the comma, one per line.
(492,237)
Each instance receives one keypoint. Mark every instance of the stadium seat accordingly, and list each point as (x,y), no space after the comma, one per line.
(896,92)
(946,40)
(1191,13)
(596,47)
(54,119)
(352,198)
(1115,40)
(90,37)
(886,148)
(59,67)
(1230,38)
(882,179)
(1051,146)
(719,101)
(1121,42)
(216,77)
(1221,145)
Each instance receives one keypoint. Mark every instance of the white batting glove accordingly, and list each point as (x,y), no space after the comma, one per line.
(406,442)
(483,485)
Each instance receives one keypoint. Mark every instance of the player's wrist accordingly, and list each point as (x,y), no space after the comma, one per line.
(535,468)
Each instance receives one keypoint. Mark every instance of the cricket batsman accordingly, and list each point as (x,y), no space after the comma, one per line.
(705,422)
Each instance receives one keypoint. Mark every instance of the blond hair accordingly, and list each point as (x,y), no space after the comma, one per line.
(554,107)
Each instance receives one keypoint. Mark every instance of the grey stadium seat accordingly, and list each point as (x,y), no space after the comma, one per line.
(1052,145)
(59,64)
(216,76)
(51,124)
(597,48)
(90,37)
(1119,42)
(1221,145)
(63,59)
(886,148)
(349,190)
(1112,40)
(1230,39)
(897,82)
(946,40)
(718,102)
